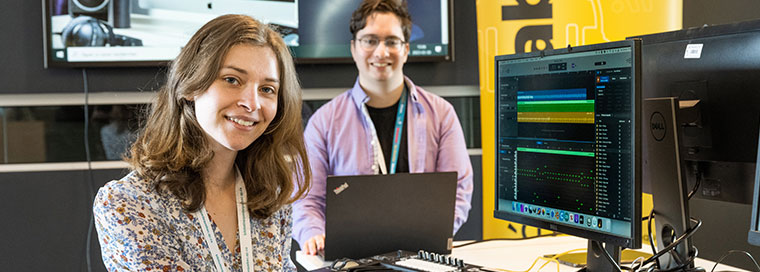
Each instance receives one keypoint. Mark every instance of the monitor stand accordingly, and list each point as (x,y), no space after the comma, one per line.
(665,171)
(595,259)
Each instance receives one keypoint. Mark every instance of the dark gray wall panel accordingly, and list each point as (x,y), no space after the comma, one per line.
(473,228)
(697,13)
(45,220)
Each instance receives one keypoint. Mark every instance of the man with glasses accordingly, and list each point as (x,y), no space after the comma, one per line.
(383,125)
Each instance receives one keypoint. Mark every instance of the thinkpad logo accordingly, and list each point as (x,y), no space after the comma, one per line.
(340,188)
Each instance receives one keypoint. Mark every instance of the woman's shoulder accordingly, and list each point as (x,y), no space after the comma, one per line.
(131,186)
(133,191)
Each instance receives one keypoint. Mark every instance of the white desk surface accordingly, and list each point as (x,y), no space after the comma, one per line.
(515,255)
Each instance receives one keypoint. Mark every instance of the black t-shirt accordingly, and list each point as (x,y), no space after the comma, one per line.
(384,120)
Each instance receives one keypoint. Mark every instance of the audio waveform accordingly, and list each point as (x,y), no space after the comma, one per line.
(558,94)
(556,106)
(558,180)
(556,117)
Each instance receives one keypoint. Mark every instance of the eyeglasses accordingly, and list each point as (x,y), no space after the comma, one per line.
(370,43)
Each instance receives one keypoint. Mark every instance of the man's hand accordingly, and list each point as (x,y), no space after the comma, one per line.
(315,245)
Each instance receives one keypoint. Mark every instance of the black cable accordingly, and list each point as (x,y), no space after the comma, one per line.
(649,219)
(674,256)
(682,265)
(680,239)
(608,256)
(91,189)
(505,239)
(675,243)
(735,251)
(651,238)
(697,175)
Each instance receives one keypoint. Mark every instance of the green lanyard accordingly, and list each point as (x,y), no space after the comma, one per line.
(397,131)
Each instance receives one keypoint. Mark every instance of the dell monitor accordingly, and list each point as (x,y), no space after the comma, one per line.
(714,71)
(568,144)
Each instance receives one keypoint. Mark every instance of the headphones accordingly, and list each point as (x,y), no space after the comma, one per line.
(89,31)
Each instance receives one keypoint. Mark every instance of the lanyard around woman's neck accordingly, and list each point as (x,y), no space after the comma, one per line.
(397,133)
(244,229)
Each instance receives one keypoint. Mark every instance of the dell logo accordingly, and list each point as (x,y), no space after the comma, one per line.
(657,126)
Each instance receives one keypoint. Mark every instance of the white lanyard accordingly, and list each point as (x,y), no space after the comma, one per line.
(244,230)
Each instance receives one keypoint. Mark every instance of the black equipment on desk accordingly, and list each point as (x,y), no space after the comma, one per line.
(372,214)
(716,69)
(114,12)
(89,31)
(402,260)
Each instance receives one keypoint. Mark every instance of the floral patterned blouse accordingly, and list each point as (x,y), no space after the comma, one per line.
(142,230)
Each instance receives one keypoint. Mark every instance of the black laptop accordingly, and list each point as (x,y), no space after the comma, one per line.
(375,214)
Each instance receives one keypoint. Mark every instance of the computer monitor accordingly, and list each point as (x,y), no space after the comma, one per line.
(715,68)
(568,144)
(716,71)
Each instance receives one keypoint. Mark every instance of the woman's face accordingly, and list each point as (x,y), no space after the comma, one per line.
(242,101)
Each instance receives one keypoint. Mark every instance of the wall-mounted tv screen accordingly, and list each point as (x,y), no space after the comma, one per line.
(113,33)
(324,34)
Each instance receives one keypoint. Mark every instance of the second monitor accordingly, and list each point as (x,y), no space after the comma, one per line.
(568,149)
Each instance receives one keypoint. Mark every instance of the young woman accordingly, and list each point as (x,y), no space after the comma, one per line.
(217,164)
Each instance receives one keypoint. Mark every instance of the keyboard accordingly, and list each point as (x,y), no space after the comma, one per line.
(402,260)
(423,265)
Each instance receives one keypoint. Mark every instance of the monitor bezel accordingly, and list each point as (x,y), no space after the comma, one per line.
(628,242)
(753,235)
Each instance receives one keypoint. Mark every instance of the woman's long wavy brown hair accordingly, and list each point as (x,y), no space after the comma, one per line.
(172,149)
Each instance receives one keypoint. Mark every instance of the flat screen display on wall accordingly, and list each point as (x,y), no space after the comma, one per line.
(324,33)
(113,33)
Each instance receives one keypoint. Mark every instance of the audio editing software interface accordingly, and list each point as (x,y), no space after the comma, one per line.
(564,139)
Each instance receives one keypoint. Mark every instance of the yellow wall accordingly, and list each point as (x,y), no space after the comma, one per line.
(542,24)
